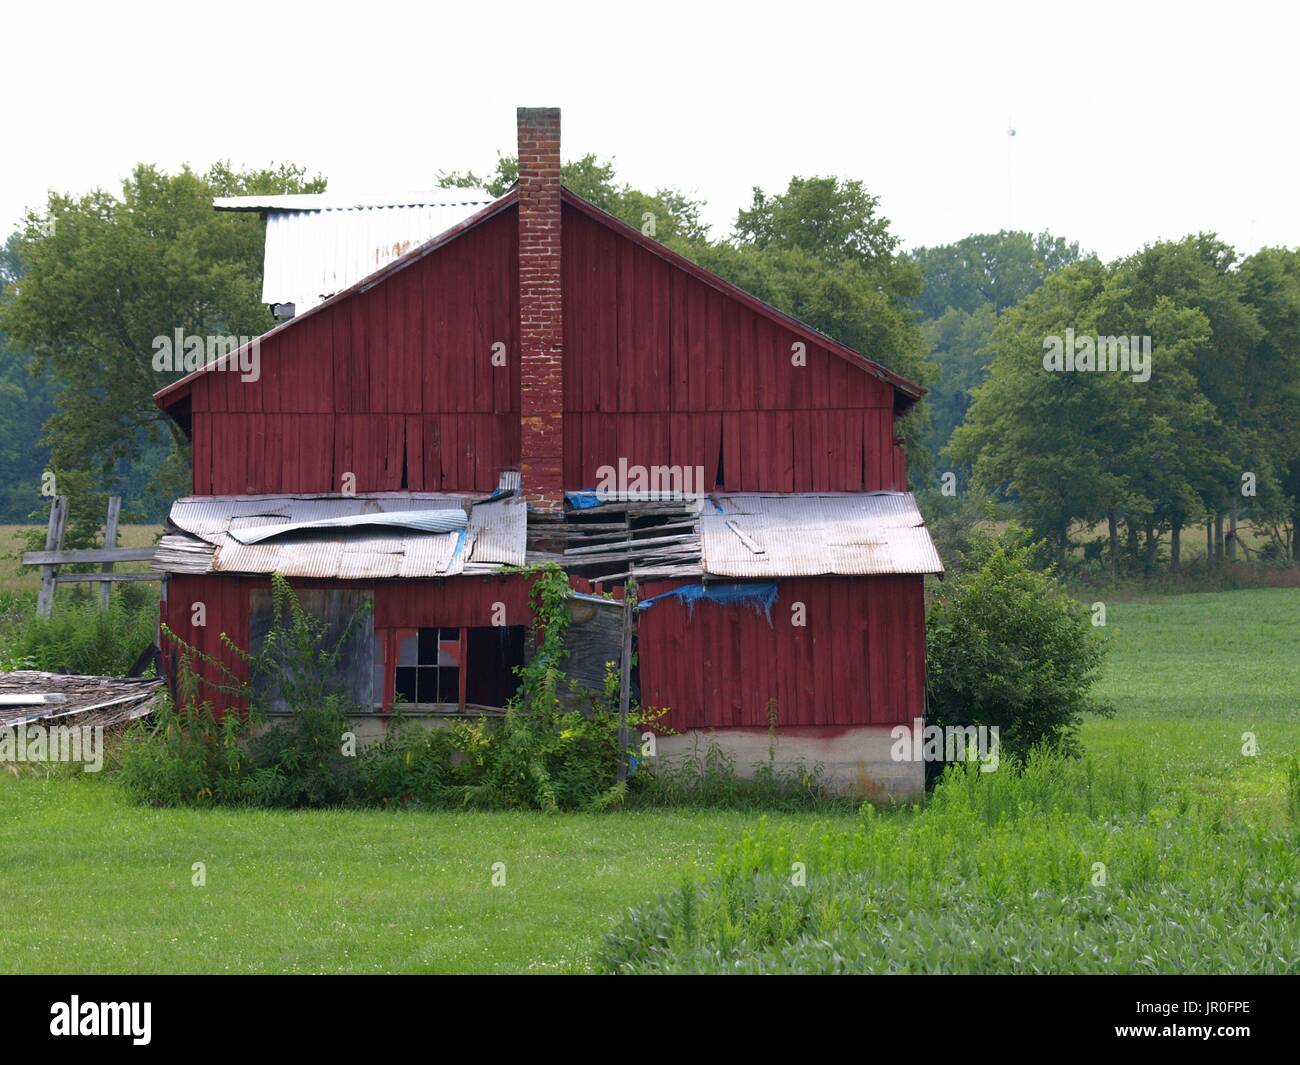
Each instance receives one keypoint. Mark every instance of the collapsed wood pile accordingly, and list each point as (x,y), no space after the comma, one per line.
(29,696)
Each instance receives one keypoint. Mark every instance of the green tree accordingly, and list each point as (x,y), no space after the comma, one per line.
(676,215)
(26,401)
(959,343)
(989,268)
(1054,441)
(822,252)
(103,275)
(967,284)
(1271,383)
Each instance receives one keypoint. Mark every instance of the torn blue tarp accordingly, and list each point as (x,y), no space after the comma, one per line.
(427,521)
(760,595)
(460,542)
(583,500)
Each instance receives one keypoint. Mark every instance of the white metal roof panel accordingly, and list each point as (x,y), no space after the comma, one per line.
(496,534)
(317,245)
(809,535)
(342,201)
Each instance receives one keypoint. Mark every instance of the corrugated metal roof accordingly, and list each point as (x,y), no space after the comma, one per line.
(495,534)
(317,245)
(430,521)
(809,535)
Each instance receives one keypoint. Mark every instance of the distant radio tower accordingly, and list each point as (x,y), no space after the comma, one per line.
(1011,139)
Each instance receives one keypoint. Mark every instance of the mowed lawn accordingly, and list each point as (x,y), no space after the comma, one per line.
(94,884)
(105,887)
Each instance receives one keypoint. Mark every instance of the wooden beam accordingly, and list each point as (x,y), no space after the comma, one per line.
(110,542)
(75,555)
(625,679)
(53,542)
(95,578)
(600,549)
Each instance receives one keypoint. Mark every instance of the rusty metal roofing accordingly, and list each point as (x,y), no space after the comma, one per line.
(809,535)
(320,244)
(494,533)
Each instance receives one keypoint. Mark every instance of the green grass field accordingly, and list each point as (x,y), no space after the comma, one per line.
(97,885)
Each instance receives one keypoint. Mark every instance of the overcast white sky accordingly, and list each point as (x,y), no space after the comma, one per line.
(1134,121)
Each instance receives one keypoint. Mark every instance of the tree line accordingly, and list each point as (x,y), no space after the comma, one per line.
(1207,440)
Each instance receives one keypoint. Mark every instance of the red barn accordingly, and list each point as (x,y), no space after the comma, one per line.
(542,381)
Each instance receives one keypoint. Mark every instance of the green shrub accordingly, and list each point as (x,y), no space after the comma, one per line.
(1007,647)
(80,637)
(186,755)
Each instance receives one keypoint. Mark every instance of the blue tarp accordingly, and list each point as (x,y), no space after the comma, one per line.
(460,542)
(760,595)
(584,500)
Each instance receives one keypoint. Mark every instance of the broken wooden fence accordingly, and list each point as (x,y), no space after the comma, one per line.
(107,556)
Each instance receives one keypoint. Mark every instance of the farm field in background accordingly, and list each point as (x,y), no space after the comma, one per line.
(17,578)
(104,886)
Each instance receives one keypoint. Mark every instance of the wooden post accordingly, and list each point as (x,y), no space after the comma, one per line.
(53,542)
(110,540)
(625,677)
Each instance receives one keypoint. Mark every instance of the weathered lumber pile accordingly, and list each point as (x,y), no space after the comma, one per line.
(28,696)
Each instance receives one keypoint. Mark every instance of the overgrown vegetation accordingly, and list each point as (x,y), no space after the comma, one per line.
(79,636)
(1050,866)
(545,753)
(1008,647)
(408,892)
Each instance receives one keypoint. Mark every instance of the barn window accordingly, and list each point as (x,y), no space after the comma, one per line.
(451,668)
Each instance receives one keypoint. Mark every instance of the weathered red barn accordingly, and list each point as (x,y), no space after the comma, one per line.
(572,390)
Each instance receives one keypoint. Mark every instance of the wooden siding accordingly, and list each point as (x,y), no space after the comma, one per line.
(859,660)
(394,383)
(399,605)
(663,369)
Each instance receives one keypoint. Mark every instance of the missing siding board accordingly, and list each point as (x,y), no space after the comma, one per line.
(492,654)
(336,608)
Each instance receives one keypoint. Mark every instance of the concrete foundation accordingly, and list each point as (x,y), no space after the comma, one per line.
(854,760)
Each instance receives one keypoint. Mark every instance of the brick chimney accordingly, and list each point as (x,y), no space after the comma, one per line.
(541,332)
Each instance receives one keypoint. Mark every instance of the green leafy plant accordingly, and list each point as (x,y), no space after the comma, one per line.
(1008,647)
(547,752)
(81,637)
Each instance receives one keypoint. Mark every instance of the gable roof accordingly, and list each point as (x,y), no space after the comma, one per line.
(906,391)
(910,389)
